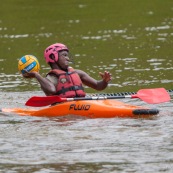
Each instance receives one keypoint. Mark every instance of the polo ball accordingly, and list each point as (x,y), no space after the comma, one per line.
(29,63)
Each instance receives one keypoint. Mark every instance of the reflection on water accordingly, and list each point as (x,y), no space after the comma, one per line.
(26,35)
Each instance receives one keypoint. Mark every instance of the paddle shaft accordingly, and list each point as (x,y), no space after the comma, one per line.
(38,101)
(98,98)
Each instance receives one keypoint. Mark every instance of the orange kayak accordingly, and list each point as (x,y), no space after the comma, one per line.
(88,108)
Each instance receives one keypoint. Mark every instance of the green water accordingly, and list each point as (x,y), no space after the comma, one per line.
(130,38)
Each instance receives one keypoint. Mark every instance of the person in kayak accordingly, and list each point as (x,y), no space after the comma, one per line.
(63,80)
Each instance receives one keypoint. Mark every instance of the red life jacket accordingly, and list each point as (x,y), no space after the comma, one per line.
(69,83)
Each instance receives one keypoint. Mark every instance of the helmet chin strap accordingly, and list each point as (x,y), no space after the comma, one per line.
(58,65)
(62,68)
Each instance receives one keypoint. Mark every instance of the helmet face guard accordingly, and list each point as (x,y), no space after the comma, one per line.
(53,50)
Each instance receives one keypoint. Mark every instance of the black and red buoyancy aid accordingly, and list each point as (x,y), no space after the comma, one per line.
(69,83)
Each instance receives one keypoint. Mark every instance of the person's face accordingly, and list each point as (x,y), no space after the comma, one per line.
(63,59)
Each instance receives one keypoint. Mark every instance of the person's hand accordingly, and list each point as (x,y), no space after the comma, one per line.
(106,76)
(29,74)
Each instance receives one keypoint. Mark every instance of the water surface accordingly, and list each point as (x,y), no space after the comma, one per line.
(133,40)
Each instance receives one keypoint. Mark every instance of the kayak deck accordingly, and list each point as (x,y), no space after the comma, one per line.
(91,109)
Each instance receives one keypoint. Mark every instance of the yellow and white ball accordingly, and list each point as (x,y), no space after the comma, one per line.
(29,63)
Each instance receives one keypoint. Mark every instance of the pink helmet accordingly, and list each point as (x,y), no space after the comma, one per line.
(54,49)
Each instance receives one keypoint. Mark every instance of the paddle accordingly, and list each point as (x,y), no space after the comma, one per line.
(152,96)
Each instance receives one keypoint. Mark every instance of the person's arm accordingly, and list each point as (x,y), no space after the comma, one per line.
(95,84)
(46,85)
